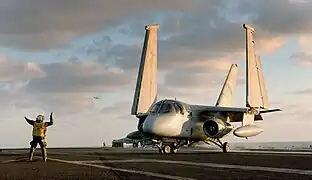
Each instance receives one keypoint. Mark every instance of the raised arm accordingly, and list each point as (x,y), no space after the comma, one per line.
(31,122)
(51,120)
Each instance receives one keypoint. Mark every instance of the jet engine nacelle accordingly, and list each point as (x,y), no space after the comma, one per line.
(216,128)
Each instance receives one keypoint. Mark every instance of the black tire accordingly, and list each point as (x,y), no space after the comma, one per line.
(226,147)
(167,149)
(173,148)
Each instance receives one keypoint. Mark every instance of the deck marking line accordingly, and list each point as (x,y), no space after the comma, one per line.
(226,166)
(124,170)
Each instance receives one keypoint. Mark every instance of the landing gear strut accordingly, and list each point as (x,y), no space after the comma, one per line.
(224,146)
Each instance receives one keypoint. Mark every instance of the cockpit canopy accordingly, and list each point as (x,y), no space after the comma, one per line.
(167,106)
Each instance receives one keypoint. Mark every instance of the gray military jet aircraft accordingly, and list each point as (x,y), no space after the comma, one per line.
(170,123)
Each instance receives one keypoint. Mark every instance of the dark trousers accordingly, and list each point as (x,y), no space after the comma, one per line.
(33,145)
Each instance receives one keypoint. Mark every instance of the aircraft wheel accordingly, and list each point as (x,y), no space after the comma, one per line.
(167,149)
(173,147)
(226,147)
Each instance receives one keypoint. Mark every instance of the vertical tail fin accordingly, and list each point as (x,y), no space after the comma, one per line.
(225,98)
(256,94)
(146,87)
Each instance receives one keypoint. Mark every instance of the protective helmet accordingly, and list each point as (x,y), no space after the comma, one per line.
(40,118)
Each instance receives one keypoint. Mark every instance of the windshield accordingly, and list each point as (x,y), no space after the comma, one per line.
(178,108)
(155,108)
(167,108)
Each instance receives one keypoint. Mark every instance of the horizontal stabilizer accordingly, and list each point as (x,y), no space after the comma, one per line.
(134,135)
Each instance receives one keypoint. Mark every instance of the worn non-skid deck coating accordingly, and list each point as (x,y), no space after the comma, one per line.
(111,163)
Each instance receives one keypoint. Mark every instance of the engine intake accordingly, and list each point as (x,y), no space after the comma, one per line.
(140,127)
(216,128)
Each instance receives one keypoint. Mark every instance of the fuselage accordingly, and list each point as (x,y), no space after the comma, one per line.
(178,120)
(174,119)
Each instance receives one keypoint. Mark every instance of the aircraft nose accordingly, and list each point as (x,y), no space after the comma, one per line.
(150,124)
(160,125)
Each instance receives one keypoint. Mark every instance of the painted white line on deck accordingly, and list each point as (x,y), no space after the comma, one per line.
(291,153)
(115,161)
(82,155)
(288,153)
(124,170)
(226,166)
(8,161)
(19,160)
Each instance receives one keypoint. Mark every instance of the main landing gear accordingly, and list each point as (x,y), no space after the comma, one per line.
(224,146)
(170,148)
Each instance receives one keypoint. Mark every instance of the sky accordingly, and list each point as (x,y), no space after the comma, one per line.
(55,56)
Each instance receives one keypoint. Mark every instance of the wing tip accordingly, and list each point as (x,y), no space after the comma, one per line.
(271,110)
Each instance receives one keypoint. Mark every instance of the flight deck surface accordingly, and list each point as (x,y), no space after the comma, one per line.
(122,163)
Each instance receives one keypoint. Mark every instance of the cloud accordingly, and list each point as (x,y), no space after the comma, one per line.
(199,83)
(119,110)
(199,76)
(305,91)
(302,59)
(11,71)
(184,41)
(12,97)
(27,24)
(268,46)
(297,112)
(14,76)
(53,86)
(304,56)
(279,17)
(74,76)
(72,84)
(202,21)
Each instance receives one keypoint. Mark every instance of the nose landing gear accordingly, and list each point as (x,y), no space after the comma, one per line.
(171,148)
